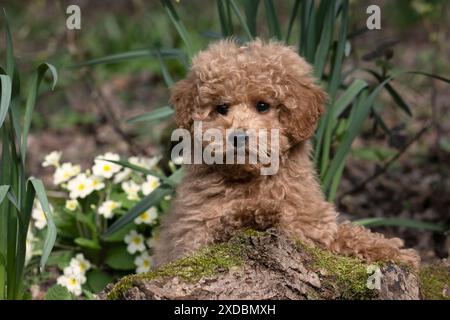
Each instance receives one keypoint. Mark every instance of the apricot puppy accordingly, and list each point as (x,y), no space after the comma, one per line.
(258,86)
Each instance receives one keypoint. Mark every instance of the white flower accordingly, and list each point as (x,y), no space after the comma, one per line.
(147,163)
(135,242)
(131,188)
(80,186)
(147,217)
(105,168)
(80,263)
(71,205)
(150,185)
(106,209)
(52,159)
(40,221)
(72,279)
(65,172)
(122,175)
(143,263)
(29,246)
(97,183)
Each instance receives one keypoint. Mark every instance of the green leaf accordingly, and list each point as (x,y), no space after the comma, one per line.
(347,97)
(58,292)
(97,280)
(5,98)
(272,19)
(251,12)
(224,18)
(31,101)
(3,192)
(132,54)
(241,19)
(60,259)
(292,20)
(119,235)
(149,201)
(171,12)
(400,222)
(118,258)
(87,243)
(51,228)
(165,72)
(157,114)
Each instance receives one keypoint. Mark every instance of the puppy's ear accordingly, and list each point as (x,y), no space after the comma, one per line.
(182,98)
(302,108)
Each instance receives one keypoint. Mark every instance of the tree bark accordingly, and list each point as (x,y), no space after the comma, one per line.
(268,265)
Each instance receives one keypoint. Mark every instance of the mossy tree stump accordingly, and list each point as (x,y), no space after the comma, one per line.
(267,265)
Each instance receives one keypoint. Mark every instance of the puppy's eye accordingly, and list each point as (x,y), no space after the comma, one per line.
(262,106)
(222,109)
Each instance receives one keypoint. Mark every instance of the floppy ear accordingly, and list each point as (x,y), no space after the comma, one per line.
(182,98)
(302,109)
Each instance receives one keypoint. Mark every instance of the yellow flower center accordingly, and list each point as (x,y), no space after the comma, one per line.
(81,186)
(137,240)
(154,184)
(72,281)
(106,167)
(146,263)
(144,216)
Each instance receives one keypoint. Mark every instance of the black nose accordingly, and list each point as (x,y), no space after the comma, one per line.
(238,138)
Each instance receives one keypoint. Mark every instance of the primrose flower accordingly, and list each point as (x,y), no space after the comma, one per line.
(80,186)
(65,172)
(143,263)
(71,205)
(80,263)
(131,188)
(104,168)
(40,221)
(150,185)
(72,279)
(52,159)
(150,242)
(147,217)
(97,183)
(135,242)
(106,209)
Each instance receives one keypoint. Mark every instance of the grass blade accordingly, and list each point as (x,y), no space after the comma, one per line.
(50,237)
(225,21)
(400,222)
(165,72)
(272,19)
(5,98)
(241,19)
(348,96)
(31,101)
(292,20)
(251,12)
(171,12)
(3,191)
(133,54)
(157,114)
(151,200)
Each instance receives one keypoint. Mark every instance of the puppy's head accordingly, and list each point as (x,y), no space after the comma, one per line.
(255,86)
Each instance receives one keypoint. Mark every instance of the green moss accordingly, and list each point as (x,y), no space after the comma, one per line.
(433,280)
(204,263)
(346,275)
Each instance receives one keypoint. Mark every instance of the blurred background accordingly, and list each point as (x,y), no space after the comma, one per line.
(401,172)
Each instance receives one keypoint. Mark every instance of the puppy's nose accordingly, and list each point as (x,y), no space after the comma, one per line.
(238,138)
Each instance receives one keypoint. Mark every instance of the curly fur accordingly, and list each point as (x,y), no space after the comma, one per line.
(213,201)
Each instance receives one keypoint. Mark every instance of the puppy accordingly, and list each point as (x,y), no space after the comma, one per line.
(258,86)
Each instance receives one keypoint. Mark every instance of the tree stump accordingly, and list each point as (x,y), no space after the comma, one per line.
(268,265)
